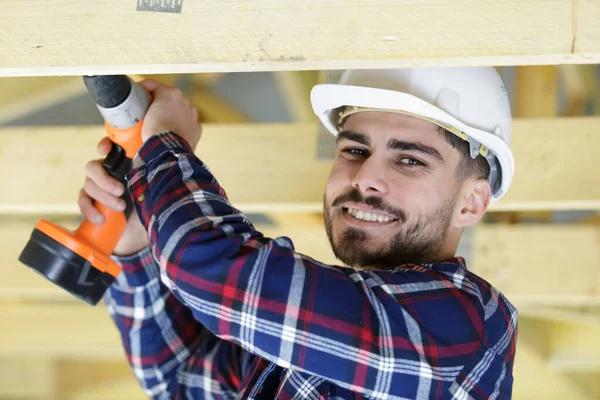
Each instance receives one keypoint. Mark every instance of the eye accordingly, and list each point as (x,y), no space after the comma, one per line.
(356,152)
(413,162)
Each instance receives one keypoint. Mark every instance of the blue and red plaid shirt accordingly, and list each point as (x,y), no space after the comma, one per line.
(214,309)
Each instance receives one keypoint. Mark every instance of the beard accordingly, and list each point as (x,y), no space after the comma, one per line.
(419,241)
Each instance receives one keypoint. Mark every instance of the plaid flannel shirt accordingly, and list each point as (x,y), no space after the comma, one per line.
(213,309)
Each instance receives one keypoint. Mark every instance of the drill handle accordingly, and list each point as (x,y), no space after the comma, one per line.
(117,164)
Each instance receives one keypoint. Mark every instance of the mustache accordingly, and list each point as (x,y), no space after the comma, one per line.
(374,202)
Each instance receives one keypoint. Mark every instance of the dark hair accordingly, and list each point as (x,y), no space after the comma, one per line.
(467,167)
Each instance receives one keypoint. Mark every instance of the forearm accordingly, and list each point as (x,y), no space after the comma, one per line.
(158,333)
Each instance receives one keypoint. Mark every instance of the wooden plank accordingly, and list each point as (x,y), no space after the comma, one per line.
(96,380)
(514,258)
(272,167)
(234,35)
(536,91)
(255,176)
(74,331)
(27,95)
(578,92)
(24,378)
(295,87)
(213,109)
(535,379)
(574,348)
(586,15)
(540,263)
(559,314)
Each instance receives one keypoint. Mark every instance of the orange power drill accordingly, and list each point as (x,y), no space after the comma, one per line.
(79,261)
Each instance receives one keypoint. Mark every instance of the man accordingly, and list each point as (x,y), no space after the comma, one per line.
(210,308)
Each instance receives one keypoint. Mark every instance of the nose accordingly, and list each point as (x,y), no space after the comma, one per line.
(370,177)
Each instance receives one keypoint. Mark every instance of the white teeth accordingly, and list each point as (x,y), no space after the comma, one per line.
(368,216)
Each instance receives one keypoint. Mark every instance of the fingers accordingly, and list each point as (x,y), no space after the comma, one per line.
(87,208)
(97,193)
(104,146)
(97,174)
(99,186)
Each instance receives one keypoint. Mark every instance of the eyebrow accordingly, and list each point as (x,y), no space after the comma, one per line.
(354,136)
(393,144)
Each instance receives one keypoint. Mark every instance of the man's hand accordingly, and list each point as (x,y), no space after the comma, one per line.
(170,111)
(101,187)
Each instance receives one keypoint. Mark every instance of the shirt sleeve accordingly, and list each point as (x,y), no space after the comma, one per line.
(166,347)
(408,333)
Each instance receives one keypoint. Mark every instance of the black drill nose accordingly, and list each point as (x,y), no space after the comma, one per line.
(108,90)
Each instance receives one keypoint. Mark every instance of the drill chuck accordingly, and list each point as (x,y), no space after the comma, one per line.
(121,102)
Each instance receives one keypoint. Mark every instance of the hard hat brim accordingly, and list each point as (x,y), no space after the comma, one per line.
(326,100)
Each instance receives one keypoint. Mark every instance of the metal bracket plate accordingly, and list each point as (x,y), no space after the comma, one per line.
(164,6)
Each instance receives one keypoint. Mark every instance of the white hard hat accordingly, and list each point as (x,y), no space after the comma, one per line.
(470,102)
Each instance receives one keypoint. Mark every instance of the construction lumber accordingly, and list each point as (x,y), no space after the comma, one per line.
(28,378)
(273,168)
(97,380)
(535,379)
(74,331)
(235,35)
(213,109)
(540,263)
(574,348)
(536,91)
(514,258)
(295,87)
(27,95)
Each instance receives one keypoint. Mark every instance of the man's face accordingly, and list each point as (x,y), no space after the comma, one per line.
(399,172)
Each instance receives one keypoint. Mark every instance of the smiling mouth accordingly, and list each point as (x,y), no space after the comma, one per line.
(368,216)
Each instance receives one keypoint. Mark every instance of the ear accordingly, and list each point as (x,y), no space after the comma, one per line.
(473,202)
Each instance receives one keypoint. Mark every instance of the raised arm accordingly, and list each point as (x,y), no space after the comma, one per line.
(383,334)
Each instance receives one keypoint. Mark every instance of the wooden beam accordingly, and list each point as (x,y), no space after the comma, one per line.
(559,314)
(540,263)
(272,167)
(574,348)
(535,379)
(212,36)
(514,258)
(28,378)
(97,380)
(536,91)
(73,331)
(207,79)
(295,87)
(213,109)
(24,96)
(577,91)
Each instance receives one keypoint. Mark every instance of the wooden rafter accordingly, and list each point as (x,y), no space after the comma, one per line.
(284,175)
(514,258)
(20,97)
(287,35)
